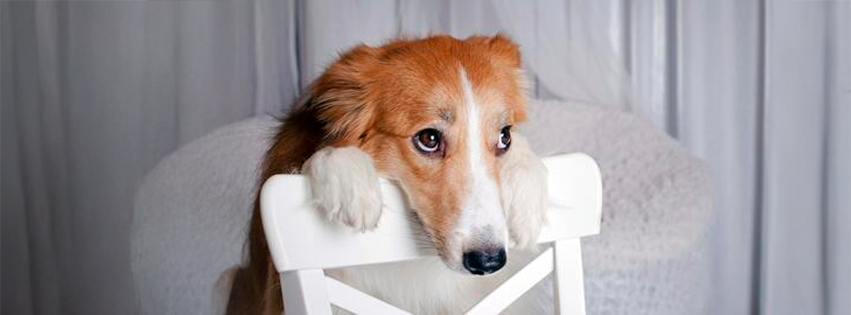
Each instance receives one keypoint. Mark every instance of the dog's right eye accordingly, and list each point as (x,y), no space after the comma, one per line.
(427,141)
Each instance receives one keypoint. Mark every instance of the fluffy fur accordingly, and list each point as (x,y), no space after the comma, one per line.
(524,193)
(347,183)
(360,120)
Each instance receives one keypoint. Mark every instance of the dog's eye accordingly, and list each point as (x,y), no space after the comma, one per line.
(504,139)
(427,140)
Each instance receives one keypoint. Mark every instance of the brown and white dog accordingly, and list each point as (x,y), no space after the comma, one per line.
(437,116)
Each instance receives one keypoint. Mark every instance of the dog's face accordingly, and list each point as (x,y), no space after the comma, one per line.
(436,116)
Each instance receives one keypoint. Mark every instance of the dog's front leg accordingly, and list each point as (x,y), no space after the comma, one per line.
(523,178)
(345,186)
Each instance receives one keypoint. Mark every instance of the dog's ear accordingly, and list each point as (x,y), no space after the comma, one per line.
(340,98)
(506,54)
(501,46)
(505,47)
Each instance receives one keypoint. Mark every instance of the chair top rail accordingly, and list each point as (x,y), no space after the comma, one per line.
(300,237)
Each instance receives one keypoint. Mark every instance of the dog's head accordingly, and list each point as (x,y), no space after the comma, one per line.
(436,115)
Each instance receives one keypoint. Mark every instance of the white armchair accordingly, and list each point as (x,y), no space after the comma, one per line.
(191,213)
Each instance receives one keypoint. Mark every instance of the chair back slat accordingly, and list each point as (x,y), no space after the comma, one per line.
(510,290)
(305,292)
(355,301)
(568,283)
(300,237)
(303,244)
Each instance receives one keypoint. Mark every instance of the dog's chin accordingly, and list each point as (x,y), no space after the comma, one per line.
(452,262)
(456,267)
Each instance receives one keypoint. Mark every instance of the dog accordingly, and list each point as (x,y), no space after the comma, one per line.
(439,117)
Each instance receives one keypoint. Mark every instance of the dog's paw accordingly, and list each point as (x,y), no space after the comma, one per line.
(345,186)
(523,181)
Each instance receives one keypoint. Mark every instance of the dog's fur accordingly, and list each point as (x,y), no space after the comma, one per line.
(359,121)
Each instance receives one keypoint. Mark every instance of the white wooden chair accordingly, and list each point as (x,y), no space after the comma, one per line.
(303,244)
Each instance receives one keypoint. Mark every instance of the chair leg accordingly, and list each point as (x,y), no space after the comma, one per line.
(568,282)
(305,292)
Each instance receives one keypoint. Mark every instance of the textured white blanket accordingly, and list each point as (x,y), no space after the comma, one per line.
(191,213)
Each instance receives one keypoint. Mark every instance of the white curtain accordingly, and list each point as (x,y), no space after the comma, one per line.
(95,93)
(764,96)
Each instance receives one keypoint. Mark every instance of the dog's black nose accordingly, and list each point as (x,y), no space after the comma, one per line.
(486,261)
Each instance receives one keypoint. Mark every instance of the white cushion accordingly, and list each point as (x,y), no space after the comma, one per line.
(191,213)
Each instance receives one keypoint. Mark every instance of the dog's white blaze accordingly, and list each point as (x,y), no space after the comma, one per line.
(481,210)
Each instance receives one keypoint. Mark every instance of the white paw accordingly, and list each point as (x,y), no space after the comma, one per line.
(345,186)
(524,193)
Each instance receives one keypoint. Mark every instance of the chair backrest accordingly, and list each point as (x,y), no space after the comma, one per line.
(303,244)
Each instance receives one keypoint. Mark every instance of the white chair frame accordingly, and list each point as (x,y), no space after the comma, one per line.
(303,244)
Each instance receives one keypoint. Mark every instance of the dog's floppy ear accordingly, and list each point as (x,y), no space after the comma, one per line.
(505,53)
(502,46)
(340,98)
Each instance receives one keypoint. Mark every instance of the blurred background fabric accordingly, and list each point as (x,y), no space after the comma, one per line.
(95,93)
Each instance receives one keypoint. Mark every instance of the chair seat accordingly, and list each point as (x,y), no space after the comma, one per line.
(191,213)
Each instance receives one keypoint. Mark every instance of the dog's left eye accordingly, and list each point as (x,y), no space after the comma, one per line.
(504,139)
(428,141)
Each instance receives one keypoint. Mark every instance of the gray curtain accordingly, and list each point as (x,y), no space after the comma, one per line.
(764,96)
(95,93)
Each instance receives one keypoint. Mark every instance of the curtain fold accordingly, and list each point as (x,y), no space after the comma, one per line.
(764,98)
(795,138)
(719,119)
(838,199)
(95,93)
